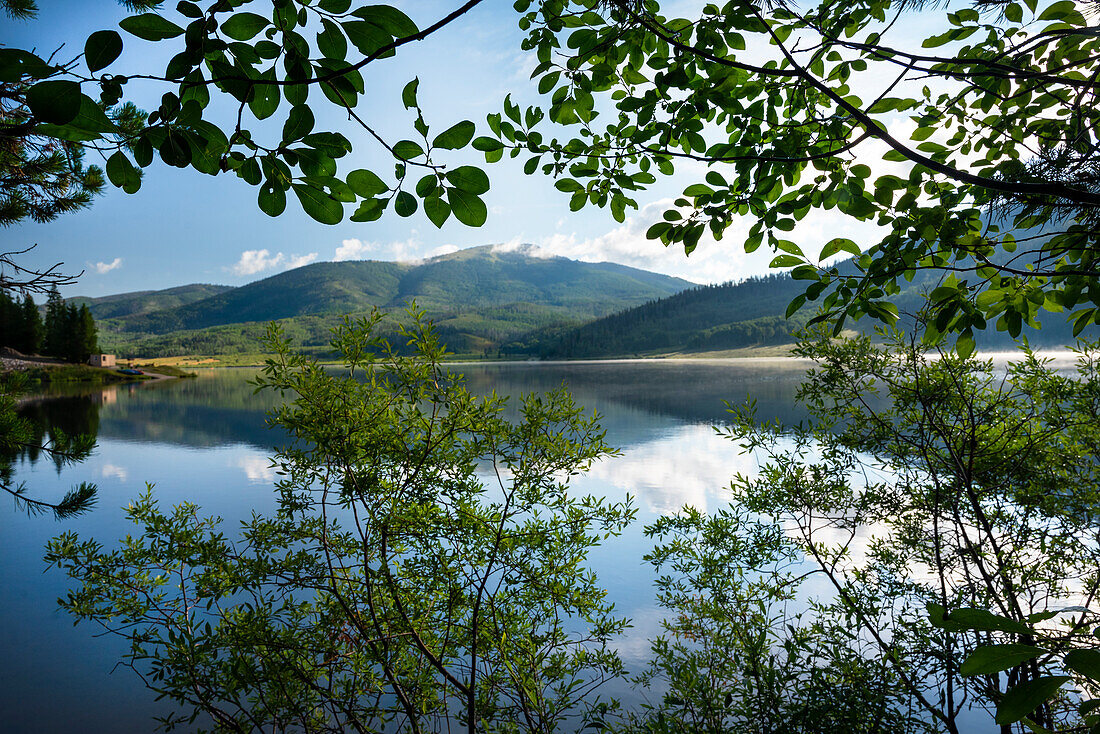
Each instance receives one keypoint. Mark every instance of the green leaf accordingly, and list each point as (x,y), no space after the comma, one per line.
(965,345)
(404,204)
(837,244)
(298,123)
(16,64)
(272,199)
(331,41)
(658,230)
(470,179)
(698,189)
(467,207)
(456,136)
(65,132)
(437,210)
(175,150)
(244,26)
(265,98)
(56,102)
(1058,10)
(388,18)
(249,170)
(101,48)
(366,183)
(795,305)
(407,150)
(150,27)
(427,185)
(980,620)
(408,94)
(369,210)
(318,204)
(995,658)
(122,173)
(486,144)
(188,9)
(143,151)
(1025,698)
(1084,662)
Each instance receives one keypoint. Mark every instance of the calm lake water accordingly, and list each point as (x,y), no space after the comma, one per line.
(205,441)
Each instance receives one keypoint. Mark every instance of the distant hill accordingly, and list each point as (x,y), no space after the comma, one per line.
(488,301)
(705,318)
(478,297)
(143,302)
(734,316)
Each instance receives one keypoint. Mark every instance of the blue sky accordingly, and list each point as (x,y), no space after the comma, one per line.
(184,227)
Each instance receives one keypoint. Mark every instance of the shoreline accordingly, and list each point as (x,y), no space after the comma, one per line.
(748,355)
(48,371)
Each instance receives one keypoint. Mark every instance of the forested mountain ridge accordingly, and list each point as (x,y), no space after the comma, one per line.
(142,302)
(474,278)
(489,301)
(709,317)
(749,313)
(480,297)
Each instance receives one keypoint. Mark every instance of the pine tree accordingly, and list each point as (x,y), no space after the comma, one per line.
(31,331)
(9,321)
(55,325)
(71,335)
(87,339)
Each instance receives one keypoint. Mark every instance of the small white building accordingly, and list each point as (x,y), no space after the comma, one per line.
(102,360)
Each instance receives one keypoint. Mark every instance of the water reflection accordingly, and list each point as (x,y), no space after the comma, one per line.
(53,421)
(205,441)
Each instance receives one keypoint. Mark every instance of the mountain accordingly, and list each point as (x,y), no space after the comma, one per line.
(737,315)
(143,302)
(478,297)
(727,316)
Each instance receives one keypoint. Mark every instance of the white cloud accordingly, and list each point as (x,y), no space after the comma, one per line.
(402,251)
(691,466)
(353,250)
(111,471)
(443,250)
(297,261)
(102,267)
(258,469)
(257,261)
(711,262)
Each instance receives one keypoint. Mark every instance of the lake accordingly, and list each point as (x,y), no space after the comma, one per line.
(205,441)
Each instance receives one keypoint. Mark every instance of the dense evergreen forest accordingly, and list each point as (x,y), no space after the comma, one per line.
(68,331)
(709,317)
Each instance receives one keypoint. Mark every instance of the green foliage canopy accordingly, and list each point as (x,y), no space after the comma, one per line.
(767,96)
(998,187)
(784,104)
(267,66)
(921,485)
(426,564)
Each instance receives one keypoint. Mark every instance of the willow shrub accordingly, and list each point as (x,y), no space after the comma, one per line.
(426,564)
(920,556)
